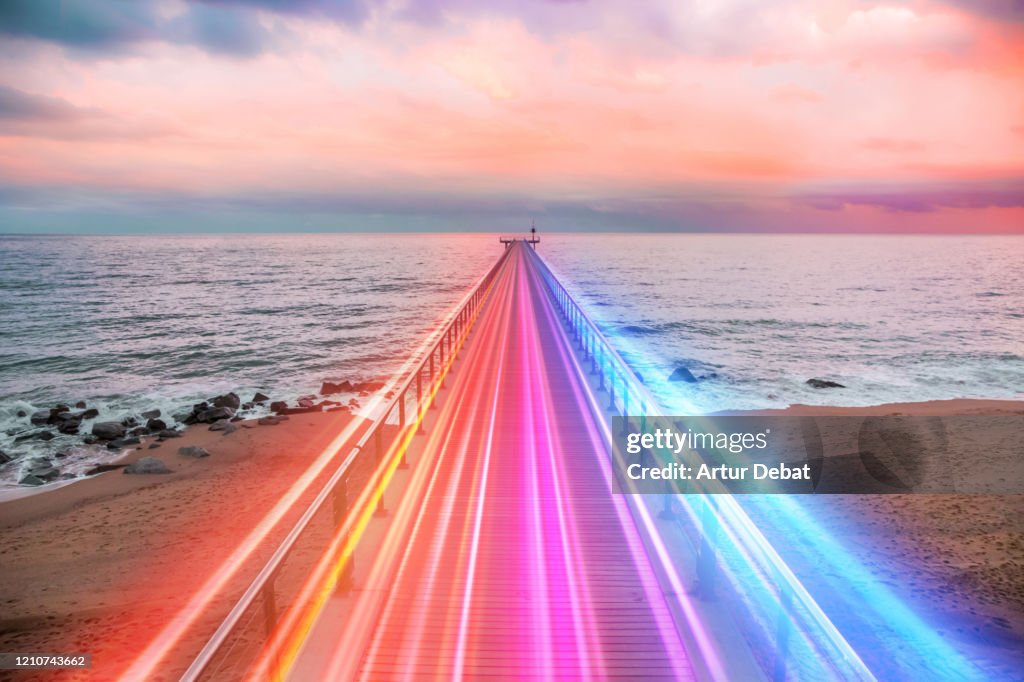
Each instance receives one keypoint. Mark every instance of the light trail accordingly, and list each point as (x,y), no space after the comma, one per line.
(504,551)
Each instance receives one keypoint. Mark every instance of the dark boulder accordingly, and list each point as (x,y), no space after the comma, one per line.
(150,414)
(22,413)
(193,451)
(332,387)
(823,383)
(278,406)
(215,414)
(31,479)
(108,430)
(45,435)
(682,374)
(4,457)
(156,425)
(90,413)
(229,400)
(306,402)
(169,433)
(138,431)
(80,405)
(260,398)
(45,472)
(154,446)
(121,443)
(102,468)
(40,417)
(147,465)
(268,421)
(69,428)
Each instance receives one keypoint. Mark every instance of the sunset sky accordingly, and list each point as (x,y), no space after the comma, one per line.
(703,115)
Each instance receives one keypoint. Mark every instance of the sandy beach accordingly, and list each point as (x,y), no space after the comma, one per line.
(96,565)
(959,557)
(99,565)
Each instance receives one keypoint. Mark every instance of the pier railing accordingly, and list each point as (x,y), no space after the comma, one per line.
(735,570)
(241,637)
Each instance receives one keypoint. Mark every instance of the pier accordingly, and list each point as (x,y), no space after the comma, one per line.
(471,533)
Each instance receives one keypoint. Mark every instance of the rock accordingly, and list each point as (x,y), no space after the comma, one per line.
(301,410)
(215,414)
(40,417)
(31,480)
(45,435)
(155,425)
(332,387)
(268,421)
(169,433)
(260,398)
(823,383)
(278,406)
(130,421)
(229,429)
(220,425)
(4,457)
(91,413)
(62,454)
(89,439)
(247,406)
(80,405)
(68,428)
(45,473)
(147,465)
(108,430)
(150,414)
(22,413)
(193,451)
(306,402)
(65,417)
(121,443)
(101,468)
(682,374)
(138,431)
(154,446)
(229,400)
(369,386)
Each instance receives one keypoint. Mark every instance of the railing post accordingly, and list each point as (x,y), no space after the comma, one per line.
(600,375)
(611,391)
(345,578)
(379,448)
(419,402)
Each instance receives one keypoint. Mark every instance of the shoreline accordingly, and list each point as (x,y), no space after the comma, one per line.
(94,565)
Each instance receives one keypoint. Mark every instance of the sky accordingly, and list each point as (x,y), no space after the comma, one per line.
(479,115)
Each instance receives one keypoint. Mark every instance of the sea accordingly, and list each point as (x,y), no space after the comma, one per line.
(133,323)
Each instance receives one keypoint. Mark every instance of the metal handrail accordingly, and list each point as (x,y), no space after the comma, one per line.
(458,326)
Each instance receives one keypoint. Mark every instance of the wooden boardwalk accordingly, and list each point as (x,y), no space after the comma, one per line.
(505,556)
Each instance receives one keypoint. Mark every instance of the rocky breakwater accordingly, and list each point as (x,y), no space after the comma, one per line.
(66,441)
